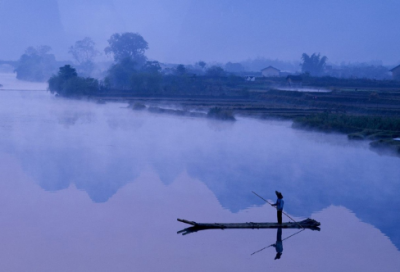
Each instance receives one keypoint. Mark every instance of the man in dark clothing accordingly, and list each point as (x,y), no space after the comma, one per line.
(278,245)
(279,206)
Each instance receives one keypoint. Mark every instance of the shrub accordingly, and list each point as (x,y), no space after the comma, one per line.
(221,114)
(68,83)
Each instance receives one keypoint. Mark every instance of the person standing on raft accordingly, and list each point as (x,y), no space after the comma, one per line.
(279,206)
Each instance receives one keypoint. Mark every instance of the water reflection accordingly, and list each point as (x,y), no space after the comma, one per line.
(104,150)
(65,231)
(278,245)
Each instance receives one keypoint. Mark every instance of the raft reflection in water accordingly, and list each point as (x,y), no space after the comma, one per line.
(278,244)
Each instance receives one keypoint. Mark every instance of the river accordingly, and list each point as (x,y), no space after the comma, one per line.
(98,187)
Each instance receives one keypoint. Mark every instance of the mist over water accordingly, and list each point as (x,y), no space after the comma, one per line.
(9,82)
(114,180)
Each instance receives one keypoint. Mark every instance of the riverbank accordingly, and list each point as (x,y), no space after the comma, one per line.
(363,109)
(381,131)
(362,115)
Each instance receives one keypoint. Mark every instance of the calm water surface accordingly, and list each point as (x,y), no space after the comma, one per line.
(88,187)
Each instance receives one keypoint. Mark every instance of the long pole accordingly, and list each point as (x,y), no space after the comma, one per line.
(274,244)
(282,211)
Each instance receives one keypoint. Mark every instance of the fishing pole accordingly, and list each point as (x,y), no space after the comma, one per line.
(282,211)
(274,244)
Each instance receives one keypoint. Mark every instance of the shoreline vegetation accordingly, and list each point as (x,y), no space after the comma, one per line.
(365,109)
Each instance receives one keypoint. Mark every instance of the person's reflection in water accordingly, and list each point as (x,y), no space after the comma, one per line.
(278,245)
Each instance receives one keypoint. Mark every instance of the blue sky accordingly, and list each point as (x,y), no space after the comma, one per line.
(184,31)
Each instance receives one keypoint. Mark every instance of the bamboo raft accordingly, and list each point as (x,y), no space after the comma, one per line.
(305,224)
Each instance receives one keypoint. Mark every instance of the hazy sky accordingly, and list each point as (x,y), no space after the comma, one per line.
(184,31)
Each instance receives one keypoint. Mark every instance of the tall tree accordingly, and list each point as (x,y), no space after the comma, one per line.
(36,64)
(201,64)
(127,45)
(314,64)
(83,51)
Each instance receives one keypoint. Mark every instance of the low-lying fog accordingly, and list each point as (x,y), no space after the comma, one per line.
(305,89)
(8,81)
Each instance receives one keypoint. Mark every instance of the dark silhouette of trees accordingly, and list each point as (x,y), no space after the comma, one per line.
(119,75)
(314,64)
(128,50)
(84,52)
(234,67)
(143,82)
(201,64)
(36,64)
(152,67)
(148,79)
(180,70)
(68,83)
(360,70)
(67,72)
(127,45)
(215,71)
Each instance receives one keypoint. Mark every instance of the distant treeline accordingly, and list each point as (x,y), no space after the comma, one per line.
(144,82)
(362,70)
(128,50)
(149,80)
(133,74)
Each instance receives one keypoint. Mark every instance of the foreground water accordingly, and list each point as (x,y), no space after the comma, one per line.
(87,187)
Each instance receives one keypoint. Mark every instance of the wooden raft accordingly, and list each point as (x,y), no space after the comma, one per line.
(305,224)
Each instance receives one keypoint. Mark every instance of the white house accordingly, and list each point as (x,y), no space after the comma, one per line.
(396,72)
(270,72)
